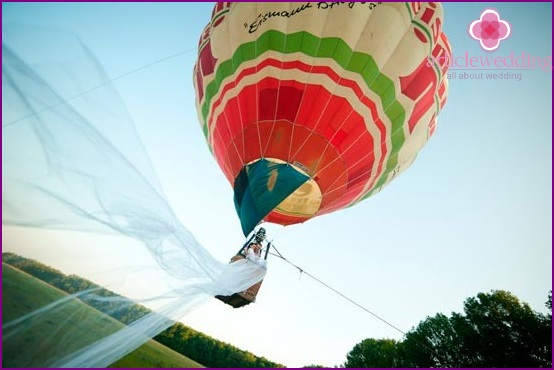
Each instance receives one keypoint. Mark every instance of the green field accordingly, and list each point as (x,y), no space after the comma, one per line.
(46,340)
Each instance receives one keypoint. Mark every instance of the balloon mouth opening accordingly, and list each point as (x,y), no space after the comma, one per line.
(302,203)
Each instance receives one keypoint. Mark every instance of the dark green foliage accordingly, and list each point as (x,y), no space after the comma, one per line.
(208,351)
(496,330)
(502,332)
(431,344)
(189,342)
(373,353)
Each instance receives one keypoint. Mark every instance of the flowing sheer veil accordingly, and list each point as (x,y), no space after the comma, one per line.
(73,160)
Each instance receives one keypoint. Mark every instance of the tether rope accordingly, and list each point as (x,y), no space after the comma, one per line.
(301,270)
(99,86)
(336,291)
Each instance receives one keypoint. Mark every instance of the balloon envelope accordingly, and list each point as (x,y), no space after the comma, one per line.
(309,108)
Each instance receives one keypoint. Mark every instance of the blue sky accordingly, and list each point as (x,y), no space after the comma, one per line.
(474,212)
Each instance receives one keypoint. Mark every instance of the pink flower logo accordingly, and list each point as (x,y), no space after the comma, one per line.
(489,29)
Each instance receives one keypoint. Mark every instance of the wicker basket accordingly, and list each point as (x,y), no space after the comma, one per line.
(243,298)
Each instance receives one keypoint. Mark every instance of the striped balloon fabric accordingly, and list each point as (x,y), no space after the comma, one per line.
(312,107)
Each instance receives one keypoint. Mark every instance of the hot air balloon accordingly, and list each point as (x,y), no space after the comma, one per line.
(309,108)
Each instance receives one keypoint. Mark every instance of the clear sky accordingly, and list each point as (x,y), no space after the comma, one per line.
(474,212)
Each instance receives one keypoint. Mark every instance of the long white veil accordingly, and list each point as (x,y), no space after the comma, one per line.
(72,160)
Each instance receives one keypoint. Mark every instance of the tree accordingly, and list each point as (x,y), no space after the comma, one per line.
(373,353)
(434,343)
(495,330)
(499,331)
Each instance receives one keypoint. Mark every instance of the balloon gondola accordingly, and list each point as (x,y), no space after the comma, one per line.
(247,296)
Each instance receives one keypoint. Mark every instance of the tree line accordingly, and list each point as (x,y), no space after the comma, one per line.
(495,330)
(193,344)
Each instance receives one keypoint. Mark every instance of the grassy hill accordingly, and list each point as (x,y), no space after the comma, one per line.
(22,294)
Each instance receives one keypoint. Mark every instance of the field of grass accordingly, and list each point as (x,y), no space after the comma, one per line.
(38,343)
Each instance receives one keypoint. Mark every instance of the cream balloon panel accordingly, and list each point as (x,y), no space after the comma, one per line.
(369,31)
(363,29)
(396,53)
